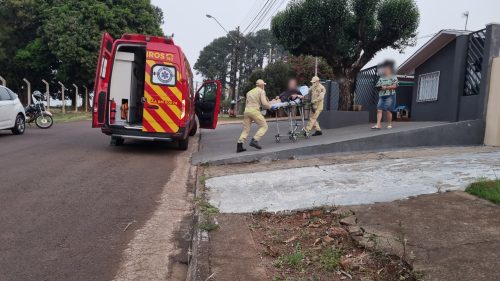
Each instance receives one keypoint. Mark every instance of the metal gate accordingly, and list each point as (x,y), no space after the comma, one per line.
(365,92)
(474,64)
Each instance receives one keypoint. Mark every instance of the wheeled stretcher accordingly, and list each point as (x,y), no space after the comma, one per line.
(296,123)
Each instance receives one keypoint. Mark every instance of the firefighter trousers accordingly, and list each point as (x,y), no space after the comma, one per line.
(255,116)
(313,121)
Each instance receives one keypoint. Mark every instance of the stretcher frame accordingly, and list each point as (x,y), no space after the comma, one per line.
(296,123)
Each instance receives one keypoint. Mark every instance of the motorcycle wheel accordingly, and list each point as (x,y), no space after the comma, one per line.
(44,122)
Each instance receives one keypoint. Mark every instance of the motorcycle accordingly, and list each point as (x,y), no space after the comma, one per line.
(37,113)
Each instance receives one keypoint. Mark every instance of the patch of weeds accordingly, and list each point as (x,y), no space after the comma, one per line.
(275,236)
(486,189)
(374,239)
(401,238)
(202,179)
(411,276)
(208,226)
(206,207)
(314,220)
(293,260)
(330,259)
(259,212)
(304,234)
(254,226)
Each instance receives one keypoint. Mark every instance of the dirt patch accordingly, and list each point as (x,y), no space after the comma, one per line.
(321,245)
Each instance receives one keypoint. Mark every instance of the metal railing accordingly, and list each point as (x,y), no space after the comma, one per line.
(474,66)
(365,92)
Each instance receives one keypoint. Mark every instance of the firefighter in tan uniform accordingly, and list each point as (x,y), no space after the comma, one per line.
(255,100)
(317,98)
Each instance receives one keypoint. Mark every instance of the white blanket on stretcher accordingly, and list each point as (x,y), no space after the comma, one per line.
(286,104)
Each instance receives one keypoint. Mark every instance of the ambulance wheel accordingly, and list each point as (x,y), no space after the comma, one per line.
(183,144)
(194,129)
(117,141)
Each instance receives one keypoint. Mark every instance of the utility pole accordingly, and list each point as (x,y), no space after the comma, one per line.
(234,64)
(47,92)
(234,70)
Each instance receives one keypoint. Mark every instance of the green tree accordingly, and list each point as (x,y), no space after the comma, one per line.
(346,33)
(304,68)
(276,76)
(214,60)
(255,48)
(59,39)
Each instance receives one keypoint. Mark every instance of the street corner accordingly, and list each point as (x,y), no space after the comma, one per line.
(296,218)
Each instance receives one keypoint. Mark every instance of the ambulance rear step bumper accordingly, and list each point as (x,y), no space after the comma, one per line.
(142,138)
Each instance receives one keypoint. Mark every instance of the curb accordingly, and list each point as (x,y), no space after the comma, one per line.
(198,255)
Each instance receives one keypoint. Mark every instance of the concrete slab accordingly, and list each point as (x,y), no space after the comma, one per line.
(364,182)
(219,146)
(234,255)
(450,236)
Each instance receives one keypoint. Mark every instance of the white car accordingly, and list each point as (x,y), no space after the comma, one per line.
(12,116)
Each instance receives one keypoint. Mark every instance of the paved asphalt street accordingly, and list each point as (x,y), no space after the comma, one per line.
(67,197)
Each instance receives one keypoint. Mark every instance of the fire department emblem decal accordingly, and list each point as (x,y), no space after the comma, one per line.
(165,75)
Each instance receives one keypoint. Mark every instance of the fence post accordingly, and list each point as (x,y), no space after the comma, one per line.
(47,93)
(86,99)
(76,98)
(63,88)
(4,82)
(28,84)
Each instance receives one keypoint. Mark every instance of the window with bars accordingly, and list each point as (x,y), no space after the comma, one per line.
(428,87)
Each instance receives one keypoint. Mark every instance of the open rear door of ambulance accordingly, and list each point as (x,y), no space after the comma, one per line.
(208,104)
(164,106)
(101,81)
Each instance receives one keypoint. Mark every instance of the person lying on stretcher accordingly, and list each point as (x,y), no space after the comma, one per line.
(291,94)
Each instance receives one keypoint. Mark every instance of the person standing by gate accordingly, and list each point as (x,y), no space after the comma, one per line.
(386,86)
(256,99)
(317,97)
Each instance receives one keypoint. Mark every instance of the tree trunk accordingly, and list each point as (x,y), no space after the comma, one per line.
(347,93)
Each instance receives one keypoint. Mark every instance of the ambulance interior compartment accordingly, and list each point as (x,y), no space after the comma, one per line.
(127,85)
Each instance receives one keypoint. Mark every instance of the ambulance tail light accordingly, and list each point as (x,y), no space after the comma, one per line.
(183,109)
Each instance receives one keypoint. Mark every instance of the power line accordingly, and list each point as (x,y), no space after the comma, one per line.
(274,13)
(251,12)
(256,16)
(264,15)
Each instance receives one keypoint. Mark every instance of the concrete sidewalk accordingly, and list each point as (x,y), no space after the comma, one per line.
(451,236)
(219,146)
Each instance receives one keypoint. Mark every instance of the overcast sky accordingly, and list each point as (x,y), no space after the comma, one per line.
(187,20)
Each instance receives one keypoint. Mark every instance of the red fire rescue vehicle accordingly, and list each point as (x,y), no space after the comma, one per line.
(144,90)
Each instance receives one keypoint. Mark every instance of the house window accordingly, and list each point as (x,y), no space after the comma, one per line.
(428,87)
